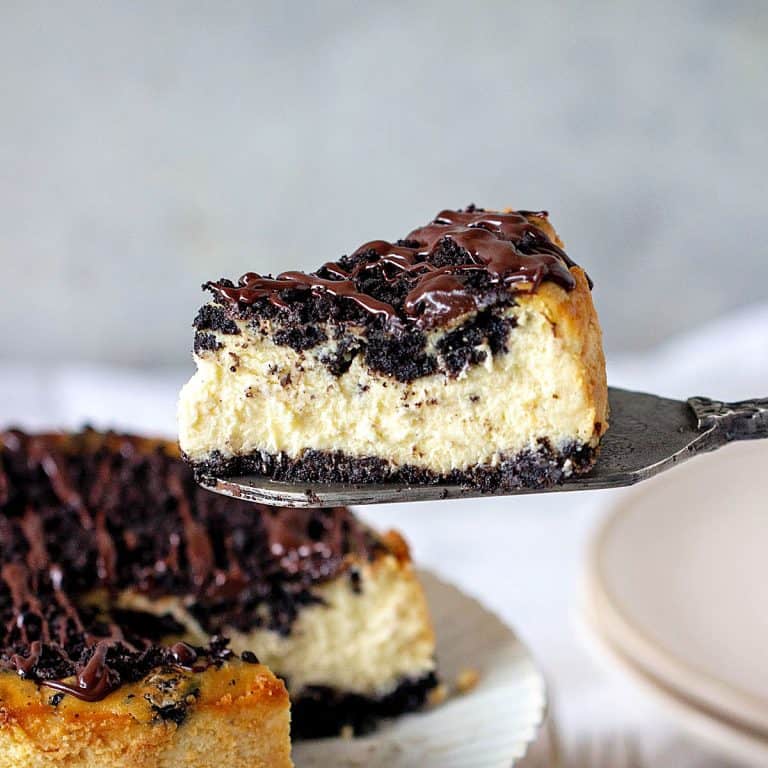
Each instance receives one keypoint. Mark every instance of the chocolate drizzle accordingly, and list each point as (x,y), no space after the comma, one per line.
(94,681)
(86,516)
(462,261)
(253,286)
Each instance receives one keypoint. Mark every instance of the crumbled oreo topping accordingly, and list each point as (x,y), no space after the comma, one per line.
(90,513)
(384,298)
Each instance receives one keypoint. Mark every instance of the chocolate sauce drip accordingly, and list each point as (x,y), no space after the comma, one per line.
(199,548)
(507,252)
(94,681)
(254,286)
(184,654)
(96,514)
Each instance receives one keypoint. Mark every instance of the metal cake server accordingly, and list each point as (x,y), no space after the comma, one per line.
(647,435)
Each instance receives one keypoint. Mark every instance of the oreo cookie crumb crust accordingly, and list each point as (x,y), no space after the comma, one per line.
(321,712)
(540,468)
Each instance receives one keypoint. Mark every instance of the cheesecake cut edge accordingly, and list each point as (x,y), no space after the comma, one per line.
(248,420)
(365,650)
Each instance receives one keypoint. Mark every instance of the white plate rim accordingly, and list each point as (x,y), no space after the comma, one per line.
(532,717)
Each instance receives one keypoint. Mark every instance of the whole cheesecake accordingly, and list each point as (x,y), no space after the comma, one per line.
(468,352)
(143,620)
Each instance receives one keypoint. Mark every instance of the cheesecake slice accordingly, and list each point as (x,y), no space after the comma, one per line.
(468,352)
(145,617)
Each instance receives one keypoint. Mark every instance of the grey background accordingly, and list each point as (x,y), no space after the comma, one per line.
(148,146)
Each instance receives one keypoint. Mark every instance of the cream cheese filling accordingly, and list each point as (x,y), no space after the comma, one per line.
(364,643)
(253,395)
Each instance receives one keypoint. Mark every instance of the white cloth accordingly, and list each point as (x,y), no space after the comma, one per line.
(521,556)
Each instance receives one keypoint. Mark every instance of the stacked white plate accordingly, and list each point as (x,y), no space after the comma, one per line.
(676,594)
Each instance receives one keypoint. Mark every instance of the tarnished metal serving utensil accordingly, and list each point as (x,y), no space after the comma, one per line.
(647,435)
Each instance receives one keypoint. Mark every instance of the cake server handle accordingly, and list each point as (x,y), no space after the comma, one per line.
(742,420)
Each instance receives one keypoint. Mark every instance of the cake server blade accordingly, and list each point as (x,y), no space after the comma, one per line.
(648,435)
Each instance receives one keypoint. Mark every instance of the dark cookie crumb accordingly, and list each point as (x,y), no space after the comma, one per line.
(540,468)
(206,342)
(174,713)
(340,361)
(213,317)
(460,348)
(403,358)
(300,337)
(321,712)
(356,581)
